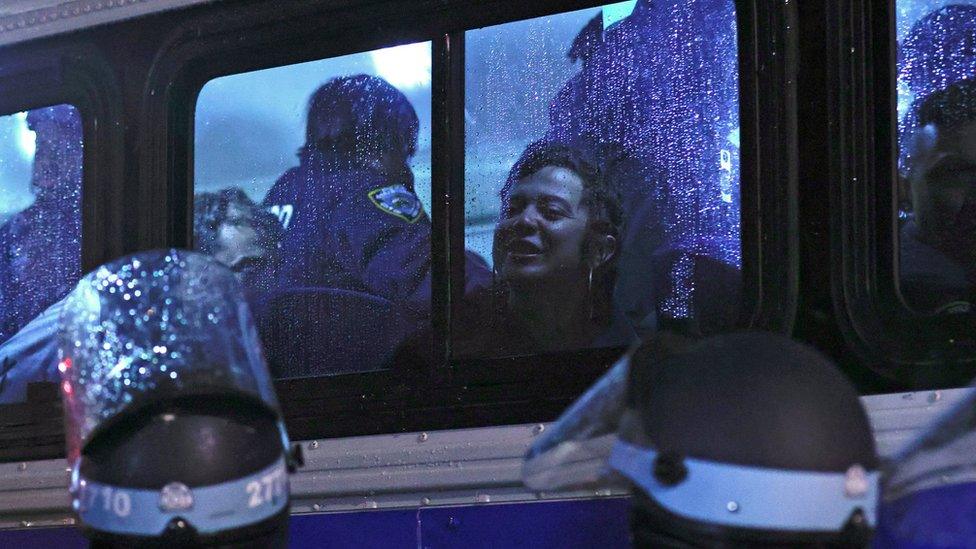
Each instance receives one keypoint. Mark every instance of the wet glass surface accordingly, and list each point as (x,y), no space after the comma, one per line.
(312,182)
(601,177)
(41,157)
(40,212)
(937,154)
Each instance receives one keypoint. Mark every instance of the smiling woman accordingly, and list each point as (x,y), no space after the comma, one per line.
(554,256)
(653,114)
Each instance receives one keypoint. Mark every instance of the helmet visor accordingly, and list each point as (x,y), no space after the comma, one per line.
(929,489)
(150,327)
(572,453)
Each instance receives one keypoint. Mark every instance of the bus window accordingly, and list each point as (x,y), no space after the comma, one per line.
(40,239)
(312,183)
(937,154)
(601,177)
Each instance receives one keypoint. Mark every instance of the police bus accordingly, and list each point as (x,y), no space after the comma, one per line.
(449,218)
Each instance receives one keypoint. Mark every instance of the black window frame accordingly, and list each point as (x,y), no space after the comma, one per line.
(902,348)
(223,39)
(76,73)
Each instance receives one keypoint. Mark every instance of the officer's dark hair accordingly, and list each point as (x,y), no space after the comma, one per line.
(949,107)
(361,116)
(210,210)
(600,199)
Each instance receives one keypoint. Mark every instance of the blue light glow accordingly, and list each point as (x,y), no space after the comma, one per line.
(405,66)
(26,139)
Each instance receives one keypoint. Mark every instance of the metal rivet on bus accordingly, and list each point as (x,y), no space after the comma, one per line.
(316,507)
(425,501)
(732,507)
(25,523)
(935,396)
(603,492)
(369,504)
(314,444)
(483,498)
(538,429)
(423,437)
(22,466)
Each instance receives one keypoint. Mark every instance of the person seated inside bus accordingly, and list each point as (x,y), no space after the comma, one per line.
(554,252)
(353,223)
(226,225)
(240,234)
(938,242)
(40,247)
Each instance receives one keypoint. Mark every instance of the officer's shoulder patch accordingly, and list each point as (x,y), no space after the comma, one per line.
(398,201)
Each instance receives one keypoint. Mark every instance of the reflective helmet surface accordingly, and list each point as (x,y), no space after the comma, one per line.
(739,438)
(766,438)
(151,326)
(172,424)
(928,492)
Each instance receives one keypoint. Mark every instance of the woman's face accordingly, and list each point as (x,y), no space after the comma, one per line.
(542,234)
(238,243)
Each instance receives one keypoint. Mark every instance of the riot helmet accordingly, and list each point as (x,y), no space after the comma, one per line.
(928,491)
(174,433)
(745,439)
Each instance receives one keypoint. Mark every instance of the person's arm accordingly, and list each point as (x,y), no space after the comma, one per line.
(30,355)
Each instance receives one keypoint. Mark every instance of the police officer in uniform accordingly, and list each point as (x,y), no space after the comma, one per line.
(665,106)
(40,246)
(352,219)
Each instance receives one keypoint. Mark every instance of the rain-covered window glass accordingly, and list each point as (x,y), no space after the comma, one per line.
(40,240)
(937,156)
(312,182)
(601,177)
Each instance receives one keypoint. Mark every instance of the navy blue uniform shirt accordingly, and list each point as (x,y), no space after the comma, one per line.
(349,227)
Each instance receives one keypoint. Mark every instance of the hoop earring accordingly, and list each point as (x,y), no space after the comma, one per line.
(589,292)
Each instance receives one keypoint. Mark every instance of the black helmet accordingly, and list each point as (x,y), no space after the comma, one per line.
(745,438)
(928,490)
(173,430)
